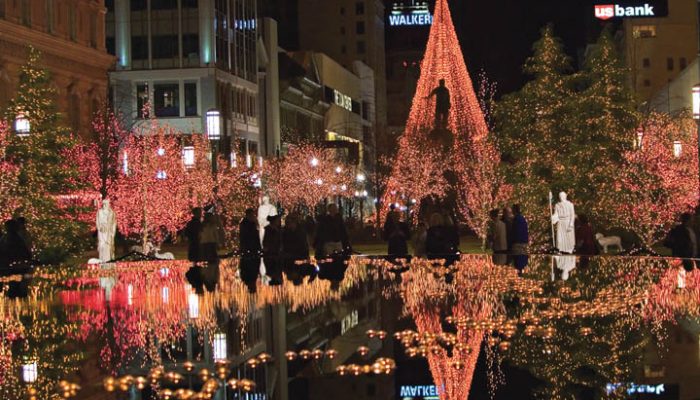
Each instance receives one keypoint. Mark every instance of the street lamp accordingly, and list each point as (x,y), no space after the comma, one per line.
(314,162)
(30,372)
(362,196)
(22,125)
(361,177)
(214,134)
(677,148)
(188,156)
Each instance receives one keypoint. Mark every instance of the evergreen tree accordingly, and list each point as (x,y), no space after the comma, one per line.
(533,126)
(606,118)
(45,174)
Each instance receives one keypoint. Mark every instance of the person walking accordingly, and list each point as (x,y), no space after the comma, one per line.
(521,233)
(439,243)
(497,239)
(192,231)
(210,240)
(272,249)
(331,234)
(295,250)
(250,249)
(507,219)
(396,233)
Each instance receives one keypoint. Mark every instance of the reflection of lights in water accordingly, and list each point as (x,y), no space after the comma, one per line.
(130,294)
(193,305)
(219,346)
(164,272)
(165,294)
(30,372)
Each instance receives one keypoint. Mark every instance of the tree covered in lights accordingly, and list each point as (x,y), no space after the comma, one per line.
(237,191)
(155,192)
(9,174)
(430,162)
(46,175)
(307,175)
(658,180)
(566,131)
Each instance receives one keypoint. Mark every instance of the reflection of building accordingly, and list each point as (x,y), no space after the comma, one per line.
(186,57)
(348,31)
(70,36)
(658,49)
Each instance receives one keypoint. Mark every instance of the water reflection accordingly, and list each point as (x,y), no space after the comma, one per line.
(580,328)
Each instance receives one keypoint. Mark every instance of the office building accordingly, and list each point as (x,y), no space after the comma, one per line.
(658,49)
(184,58)
(71,38)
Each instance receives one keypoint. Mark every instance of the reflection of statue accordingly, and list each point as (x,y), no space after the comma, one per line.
(563,218)
(565,264)
(265,210)
(106,229)
(442,105)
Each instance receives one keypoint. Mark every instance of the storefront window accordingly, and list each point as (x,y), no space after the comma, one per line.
(166,98)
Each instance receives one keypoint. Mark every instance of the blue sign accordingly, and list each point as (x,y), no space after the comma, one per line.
(414,14)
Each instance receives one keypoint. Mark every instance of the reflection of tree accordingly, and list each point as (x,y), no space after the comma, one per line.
(584,333)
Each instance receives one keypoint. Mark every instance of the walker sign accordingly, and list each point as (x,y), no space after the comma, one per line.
(631,9)
(410,13)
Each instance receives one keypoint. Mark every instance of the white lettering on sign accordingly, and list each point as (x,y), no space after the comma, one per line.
(349,321)
(634,389)
(342,100)
(410,20)
(425,391)
(607,11)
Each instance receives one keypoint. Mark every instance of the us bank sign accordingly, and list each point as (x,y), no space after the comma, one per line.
(413,13)
(631,9)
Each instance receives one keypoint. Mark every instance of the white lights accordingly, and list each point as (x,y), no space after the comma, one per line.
(193,305)
(338,170)
(188,156)
(234,161)
(30,372)
(319,181)
(213,124)
(343,187)
(677,148)
(22,125)
(364,193)
(161,151)
(361,177)
(249,161)
(640,138)
(260,161)
(161,175)
(125,163)
(314,162)
(696,101)
(219,346)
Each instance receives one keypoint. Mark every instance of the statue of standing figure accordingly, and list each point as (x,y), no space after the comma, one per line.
(563,218)
(442,105)
(265,210)
(106,229)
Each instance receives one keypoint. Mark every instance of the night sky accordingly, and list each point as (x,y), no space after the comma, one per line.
(497,35)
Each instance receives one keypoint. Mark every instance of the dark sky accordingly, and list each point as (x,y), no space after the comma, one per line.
(497,35)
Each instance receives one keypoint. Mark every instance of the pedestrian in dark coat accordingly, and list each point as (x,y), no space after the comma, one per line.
(192,231)
(331,234)
(683,241)
(439,243)
(396,233)
(272,249)
(250,250)
(15,255)
(585,240)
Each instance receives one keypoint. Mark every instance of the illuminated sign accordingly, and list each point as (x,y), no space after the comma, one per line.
(414,14)
(342,100)
(631,9)
(419,391)
(639,390)
(350,321)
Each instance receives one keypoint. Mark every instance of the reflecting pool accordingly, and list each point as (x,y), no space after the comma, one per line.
(556,327)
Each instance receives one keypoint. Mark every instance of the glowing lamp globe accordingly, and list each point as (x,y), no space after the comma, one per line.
(30,372)
(696,101)
(188,156)
(314,162)
(677,148)
(361,177)
(213,124)
(22,125)
(249,161)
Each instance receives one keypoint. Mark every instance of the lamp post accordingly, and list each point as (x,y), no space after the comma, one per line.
(214,135)
(22,125)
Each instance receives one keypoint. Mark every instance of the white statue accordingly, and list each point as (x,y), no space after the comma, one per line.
(106,229)
(563,218)
(566,264)
(265,210)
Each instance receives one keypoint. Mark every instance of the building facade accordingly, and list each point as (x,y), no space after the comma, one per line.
(348,31)
(185,57)
(71,37)
(658,49)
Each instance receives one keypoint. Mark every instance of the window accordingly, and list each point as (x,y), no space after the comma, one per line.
(109,5)
(343,49)
(669,64)
(138,5)
(190,99)
(190,45)
(163,5)
(72,23)
(682,63)
(360,27)
(2,8)
(189,3)
(93,33)
(644,31)
(110,44)
(342,10)
(166,99)
(361,47)
(342,30)
(646,63)
(165,46)
(359,8)
(141,99)
(26,12)
(74,111)
(139,48)
(49,16)
(647,83)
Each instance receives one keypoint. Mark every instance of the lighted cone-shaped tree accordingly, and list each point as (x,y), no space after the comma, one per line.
(429,160)
(8,178)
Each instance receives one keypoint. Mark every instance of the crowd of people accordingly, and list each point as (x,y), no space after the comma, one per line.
(683,240)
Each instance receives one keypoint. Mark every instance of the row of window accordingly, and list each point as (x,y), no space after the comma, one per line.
(359,28)
(163,46)
(166,99)
(56,14)
(140,5)
(359,9)
(361,48)
(670,63)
